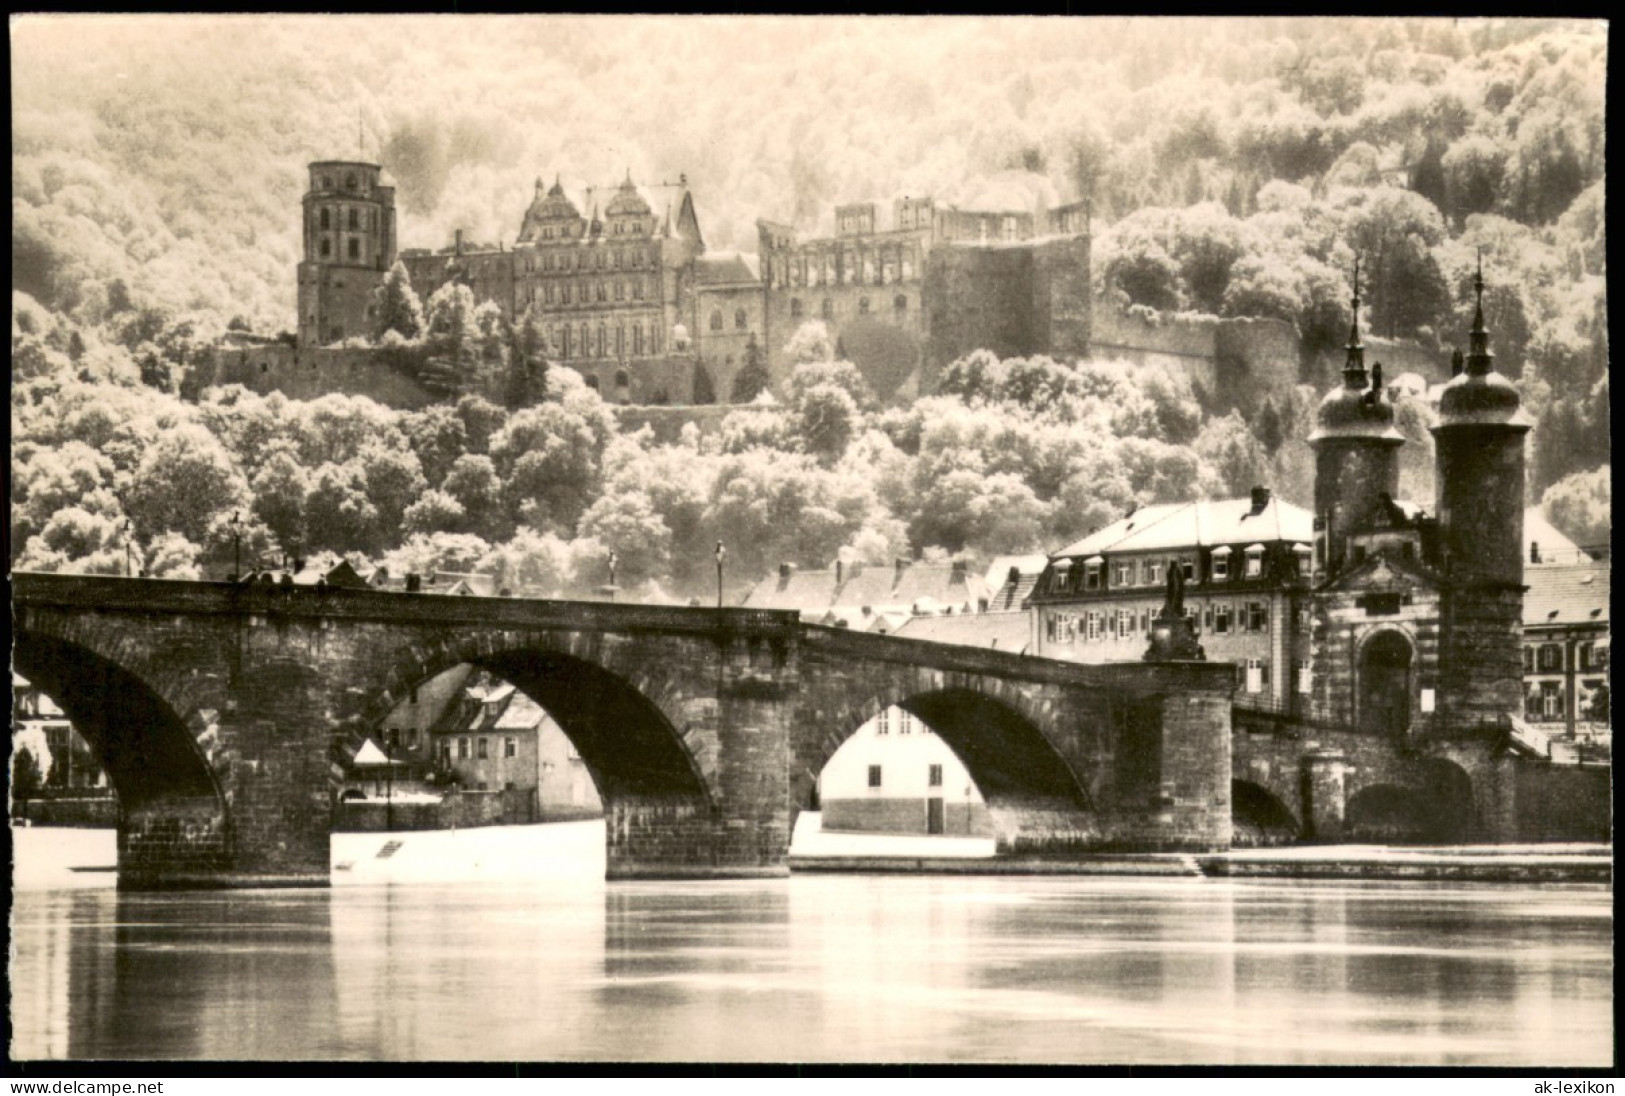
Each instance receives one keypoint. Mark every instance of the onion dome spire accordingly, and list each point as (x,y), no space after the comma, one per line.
(1479,359)
(1354,366)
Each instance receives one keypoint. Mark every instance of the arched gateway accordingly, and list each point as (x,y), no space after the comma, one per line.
(219,710)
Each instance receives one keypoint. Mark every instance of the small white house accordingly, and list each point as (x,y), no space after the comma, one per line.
(895,776)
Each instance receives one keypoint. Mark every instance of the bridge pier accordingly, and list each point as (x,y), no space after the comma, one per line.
(743,829)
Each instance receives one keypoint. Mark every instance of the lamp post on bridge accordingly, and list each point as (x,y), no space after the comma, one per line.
(236,545)
(720,553)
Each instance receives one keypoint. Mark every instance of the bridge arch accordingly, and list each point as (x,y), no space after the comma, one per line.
(1259,817)
(988,725)
(631,723)
(151,732)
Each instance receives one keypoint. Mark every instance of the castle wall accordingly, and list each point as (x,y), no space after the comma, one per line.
(1062,315)
(727,318)
(336,302)
(1254,358)
(306,374)
(1184,344)
(977,298)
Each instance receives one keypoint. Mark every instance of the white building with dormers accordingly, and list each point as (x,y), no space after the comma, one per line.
(1247,564)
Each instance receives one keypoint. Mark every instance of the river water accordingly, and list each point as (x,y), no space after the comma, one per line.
(562,966)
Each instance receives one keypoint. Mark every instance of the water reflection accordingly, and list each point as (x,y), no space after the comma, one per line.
(856,968)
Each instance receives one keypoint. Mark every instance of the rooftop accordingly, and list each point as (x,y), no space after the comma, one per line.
(1200,524)
(1566,595)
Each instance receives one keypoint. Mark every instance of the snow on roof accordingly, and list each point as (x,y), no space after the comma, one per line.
(1197,524)
(370,754)
(1553,544)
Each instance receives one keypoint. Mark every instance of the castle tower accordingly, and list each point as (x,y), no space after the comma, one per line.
(349,245)
(1356,451)
(1479,440)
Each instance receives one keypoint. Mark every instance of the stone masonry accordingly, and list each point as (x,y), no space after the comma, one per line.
(220,711)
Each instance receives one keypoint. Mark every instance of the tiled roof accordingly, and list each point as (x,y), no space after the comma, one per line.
(873,586)
(1002,631)
(1008,594)
(1566,594)
(1202,523)
(724,270)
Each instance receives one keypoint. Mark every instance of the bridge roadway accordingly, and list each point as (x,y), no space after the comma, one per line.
(221,713)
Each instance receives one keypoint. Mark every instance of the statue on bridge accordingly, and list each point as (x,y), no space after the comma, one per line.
(1173,639)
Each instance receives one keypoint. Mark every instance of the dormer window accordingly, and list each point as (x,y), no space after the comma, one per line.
(1091,573)
(1123,573)
(1302,556)
(1153,571)
(1255,561)
(1221,564)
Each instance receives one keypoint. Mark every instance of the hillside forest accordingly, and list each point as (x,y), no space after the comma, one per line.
(1234,167)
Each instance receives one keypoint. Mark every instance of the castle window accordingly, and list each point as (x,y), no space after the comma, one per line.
(795,308)
(637,228)
(620,342)
(265,367)
(600,260)
(592,381)
(603,292)
(327,248)
(355,219)
(900,304)
(620,291)
(740,322)
(654,338)
(716,320)
(622,379)
(827,310)
(349,182)
(355,249)
(564,293)
(637,338)
(564,349)
(603,340)
(547,233)
(637,289)
(863,306)
(547,293)
(585,345)
(326,183)
(325,219)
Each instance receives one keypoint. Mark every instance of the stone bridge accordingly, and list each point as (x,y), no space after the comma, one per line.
(220,713)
